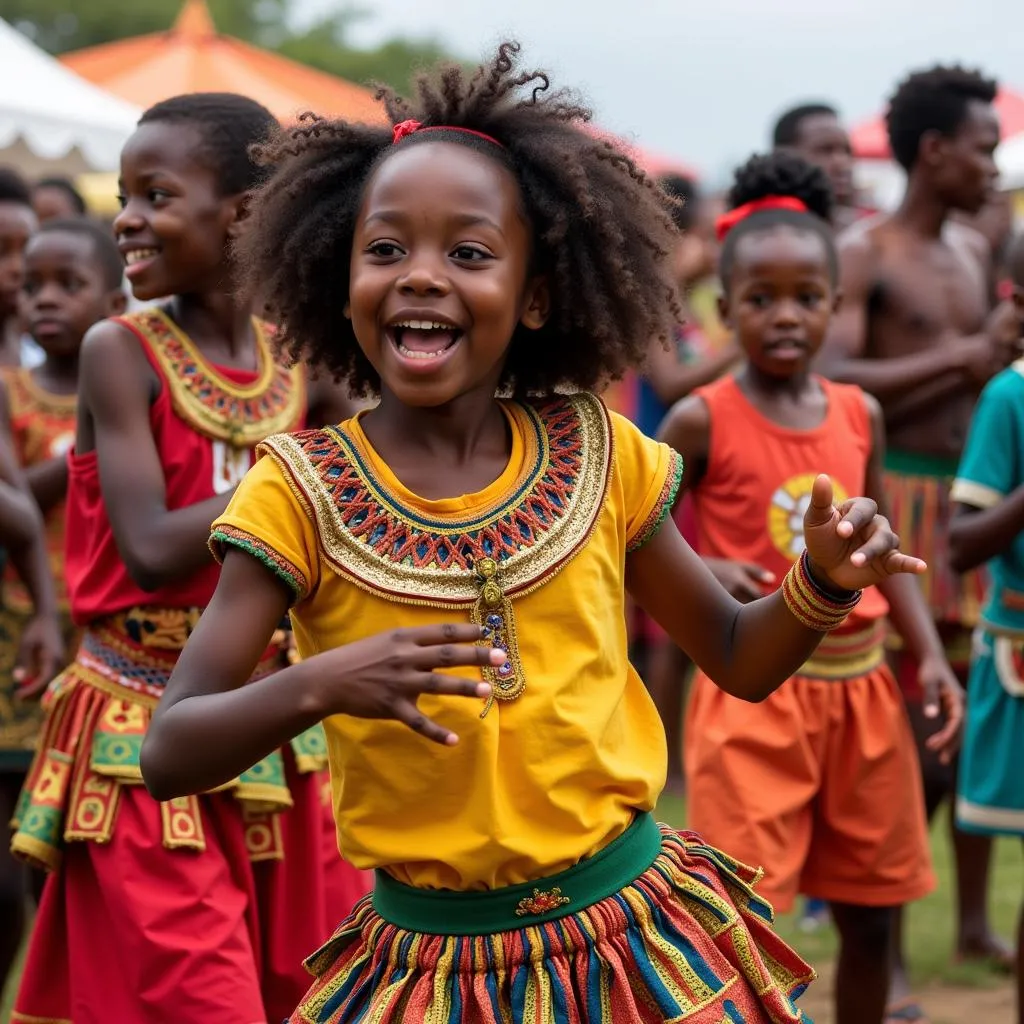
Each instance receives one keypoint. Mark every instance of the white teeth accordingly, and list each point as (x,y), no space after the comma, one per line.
(412,354)
(423,325)
(137,255)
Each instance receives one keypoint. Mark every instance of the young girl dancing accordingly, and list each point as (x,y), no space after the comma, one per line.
(456,562)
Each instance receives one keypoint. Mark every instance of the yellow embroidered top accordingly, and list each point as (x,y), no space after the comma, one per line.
(573,747)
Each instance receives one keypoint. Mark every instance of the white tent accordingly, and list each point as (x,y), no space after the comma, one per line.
(1011,162)
(51,118)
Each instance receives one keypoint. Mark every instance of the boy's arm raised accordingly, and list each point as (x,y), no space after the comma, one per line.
(116,386)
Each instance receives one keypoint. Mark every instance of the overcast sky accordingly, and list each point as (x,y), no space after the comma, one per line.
(703,81)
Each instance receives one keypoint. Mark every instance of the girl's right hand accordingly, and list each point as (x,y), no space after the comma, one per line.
(384,675)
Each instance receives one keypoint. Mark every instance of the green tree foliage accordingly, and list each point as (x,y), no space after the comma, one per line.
(62,25)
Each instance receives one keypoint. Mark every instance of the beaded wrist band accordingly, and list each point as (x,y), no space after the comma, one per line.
(809,604)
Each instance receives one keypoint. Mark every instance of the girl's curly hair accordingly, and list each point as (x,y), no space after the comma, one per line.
(601,230)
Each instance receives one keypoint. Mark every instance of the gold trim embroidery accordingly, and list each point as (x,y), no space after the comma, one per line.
(457,585)
(25,396)
(543,901)
(240,414)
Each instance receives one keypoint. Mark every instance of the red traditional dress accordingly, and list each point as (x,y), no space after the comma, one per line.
(42,425)
(198,910)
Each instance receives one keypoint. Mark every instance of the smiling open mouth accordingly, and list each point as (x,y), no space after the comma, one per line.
(134,256)
(423,339)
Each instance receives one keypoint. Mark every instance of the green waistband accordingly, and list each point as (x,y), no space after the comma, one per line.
(445,912)
(913,464)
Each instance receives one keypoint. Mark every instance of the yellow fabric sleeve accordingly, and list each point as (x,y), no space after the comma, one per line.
(267,519)
(650,473)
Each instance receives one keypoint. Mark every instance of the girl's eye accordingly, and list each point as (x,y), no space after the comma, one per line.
(122,200)
(385,250)
(470,254)
(810,299)
(158,195)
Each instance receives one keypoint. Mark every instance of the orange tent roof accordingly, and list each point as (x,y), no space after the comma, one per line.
(193,57)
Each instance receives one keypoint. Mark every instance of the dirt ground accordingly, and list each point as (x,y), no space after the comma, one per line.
(944,1004)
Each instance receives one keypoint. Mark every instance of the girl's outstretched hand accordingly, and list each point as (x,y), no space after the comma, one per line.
(384,675)
(851,544)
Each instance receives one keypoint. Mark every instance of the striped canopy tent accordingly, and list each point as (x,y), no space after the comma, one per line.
(193,57)
(51,121)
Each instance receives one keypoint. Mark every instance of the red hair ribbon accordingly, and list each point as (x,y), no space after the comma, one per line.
(405,128)
(729,220)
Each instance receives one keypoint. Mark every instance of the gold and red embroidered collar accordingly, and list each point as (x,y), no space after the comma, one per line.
(219,408)
(482,562)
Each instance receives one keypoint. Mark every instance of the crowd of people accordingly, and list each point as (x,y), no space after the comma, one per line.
(345,478)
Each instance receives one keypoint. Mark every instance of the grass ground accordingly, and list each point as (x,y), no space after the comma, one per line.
(951,994)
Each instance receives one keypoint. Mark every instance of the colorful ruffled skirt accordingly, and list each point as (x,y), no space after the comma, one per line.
(656,927)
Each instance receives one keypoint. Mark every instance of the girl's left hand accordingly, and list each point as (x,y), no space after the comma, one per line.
(851,545)
(943,702)
(40,655)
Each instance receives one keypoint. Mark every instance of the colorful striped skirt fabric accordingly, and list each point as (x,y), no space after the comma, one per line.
(681,937)
(920,507)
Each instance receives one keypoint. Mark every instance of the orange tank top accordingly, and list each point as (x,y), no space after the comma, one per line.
(751,501)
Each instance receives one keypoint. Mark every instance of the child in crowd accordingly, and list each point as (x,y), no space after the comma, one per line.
(988,527)
(456,561)
(72,279)
(56,198)
(171,912)
(819,783)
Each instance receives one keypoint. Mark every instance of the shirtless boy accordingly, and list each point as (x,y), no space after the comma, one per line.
(916,331)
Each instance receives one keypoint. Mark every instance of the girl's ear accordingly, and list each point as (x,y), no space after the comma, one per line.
(837,301)
(239,212)
(536,304)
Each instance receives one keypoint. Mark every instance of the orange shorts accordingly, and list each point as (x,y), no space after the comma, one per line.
(819,784)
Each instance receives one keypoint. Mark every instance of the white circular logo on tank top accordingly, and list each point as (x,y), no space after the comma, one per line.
(786,513)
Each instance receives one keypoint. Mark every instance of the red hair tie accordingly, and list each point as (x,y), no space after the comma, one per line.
(729,220)
(405,128)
